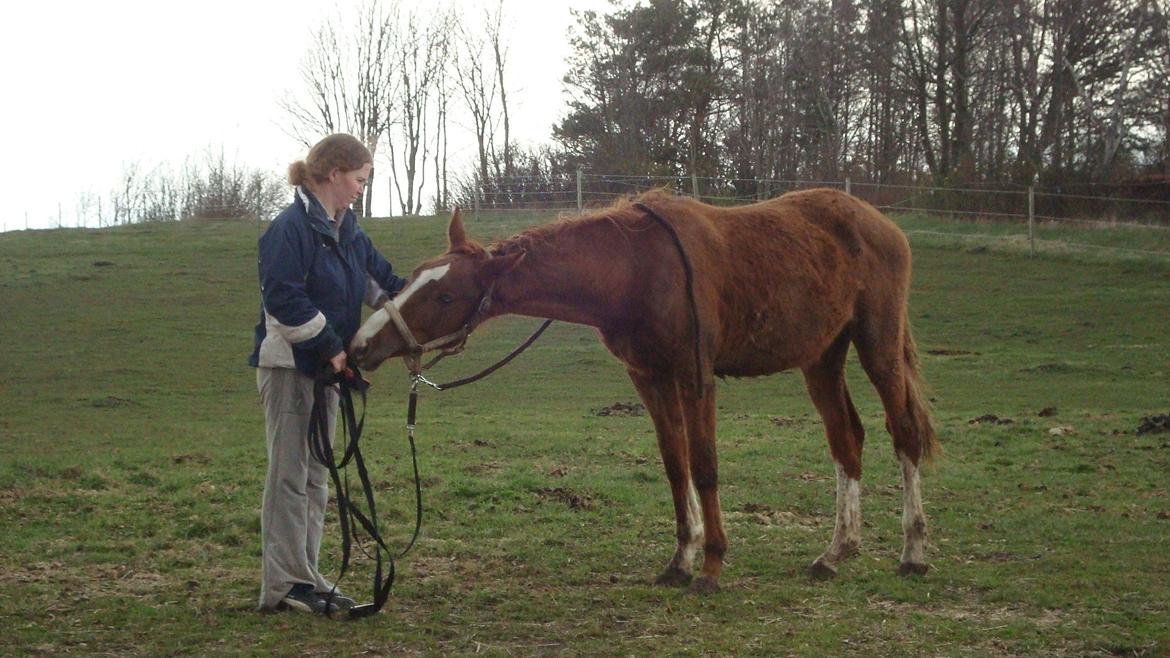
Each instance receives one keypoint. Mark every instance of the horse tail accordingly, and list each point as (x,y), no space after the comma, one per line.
(917,404)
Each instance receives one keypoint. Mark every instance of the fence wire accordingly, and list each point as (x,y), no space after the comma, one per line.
(1037,218)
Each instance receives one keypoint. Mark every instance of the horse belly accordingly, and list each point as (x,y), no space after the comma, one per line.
(776,347)
(787,324)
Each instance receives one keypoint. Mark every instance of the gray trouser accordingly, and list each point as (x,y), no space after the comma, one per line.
(296,490)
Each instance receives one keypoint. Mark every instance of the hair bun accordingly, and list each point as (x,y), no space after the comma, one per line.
(298,173)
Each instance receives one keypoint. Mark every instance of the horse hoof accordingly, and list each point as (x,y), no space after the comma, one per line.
(704,586)
(673,577)
(907,569)
(821,570)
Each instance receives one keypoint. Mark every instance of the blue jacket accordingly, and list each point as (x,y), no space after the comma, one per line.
(314,277)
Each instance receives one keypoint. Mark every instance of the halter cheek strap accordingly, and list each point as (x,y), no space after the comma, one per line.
(452,343)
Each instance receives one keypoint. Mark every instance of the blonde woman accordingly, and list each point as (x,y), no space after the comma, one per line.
(317,267)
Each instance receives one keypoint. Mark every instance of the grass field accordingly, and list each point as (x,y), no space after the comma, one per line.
(133,461)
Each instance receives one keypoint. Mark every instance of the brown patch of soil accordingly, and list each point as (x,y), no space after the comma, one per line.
(567,496)
(1154,424)
(621,409)
(990,419)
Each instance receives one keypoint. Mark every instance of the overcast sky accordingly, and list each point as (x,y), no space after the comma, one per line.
(91,86)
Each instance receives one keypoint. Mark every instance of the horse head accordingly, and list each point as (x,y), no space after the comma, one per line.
(446,297)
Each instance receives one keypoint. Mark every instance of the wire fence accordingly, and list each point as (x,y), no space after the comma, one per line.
(1031,218)
(1027,217)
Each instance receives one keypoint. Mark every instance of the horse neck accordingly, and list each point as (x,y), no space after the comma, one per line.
(571,273)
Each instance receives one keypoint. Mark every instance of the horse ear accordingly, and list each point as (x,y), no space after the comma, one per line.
(501,265)
(456,235)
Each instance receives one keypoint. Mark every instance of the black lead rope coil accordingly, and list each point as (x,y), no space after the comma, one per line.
(350,514)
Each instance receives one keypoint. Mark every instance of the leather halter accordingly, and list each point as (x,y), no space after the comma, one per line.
(452,343)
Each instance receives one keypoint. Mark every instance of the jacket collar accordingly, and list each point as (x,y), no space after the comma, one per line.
(319,219)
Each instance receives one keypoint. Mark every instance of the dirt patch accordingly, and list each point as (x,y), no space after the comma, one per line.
(193,458)
(1052,368)
(110,402)
(574,499)
(990,419)
(951,353)
(621,409)
(809,476)
(785,421)
(1154,424)
(761,514)
(483,468)
(1047,412)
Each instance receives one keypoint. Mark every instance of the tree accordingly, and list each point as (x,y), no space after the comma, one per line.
(417,63)
(350,82)
(644,83)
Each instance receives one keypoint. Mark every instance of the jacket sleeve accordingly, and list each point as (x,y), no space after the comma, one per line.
(284,266)
(382,283)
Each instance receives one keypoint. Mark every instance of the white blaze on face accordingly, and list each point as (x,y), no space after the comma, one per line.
(381,317)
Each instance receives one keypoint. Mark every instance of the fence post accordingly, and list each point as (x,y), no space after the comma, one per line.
(848,186)
(580,194)
(259,210)
(1031,220)
(475,195)
(694,185)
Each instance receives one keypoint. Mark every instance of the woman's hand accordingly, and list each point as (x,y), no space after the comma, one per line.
(338,361)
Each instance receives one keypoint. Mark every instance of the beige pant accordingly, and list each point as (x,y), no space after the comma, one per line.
(296,490)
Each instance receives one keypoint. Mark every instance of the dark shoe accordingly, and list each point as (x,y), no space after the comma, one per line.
(338,599)
(302,598)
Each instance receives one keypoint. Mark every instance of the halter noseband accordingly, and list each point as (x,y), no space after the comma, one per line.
(452,343)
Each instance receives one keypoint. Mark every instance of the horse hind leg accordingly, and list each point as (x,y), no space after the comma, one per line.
(825,381)
(662,401)
(699,413)
(891,361)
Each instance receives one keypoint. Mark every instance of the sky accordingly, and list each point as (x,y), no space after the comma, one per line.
(92,87)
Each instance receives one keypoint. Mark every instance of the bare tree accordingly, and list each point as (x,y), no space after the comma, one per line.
(349,80)
(494,22)
(443,98)
(417,62)
(478,89)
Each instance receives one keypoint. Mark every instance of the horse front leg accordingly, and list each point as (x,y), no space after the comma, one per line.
(661,397)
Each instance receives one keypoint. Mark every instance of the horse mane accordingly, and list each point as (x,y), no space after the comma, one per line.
(621,213)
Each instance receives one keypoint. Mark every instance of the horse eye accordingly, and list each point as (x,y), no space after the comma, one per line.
(446,298)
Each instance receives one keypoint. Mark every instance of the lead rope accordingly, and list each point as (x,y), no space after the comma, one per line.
(350,514)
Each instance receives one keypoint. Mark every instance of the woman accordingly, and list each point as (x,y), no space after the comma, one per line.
(317,266)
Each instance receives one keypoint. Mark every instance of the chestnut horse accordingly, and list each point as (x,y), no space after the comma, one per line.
(786,283)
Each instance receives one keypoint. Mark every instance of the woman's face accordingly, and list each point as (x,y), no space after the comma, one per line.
(347,186)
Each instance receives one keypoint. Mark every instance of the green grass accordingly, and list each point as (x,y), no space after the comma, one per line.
(134,460)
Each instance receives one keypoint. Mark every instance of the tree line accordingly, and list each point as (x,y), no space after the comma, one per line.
(206,187)
(1065,94)
(947,92)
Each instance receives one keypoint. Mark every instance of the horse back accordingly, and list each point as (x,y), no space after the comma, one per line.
(786,276)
